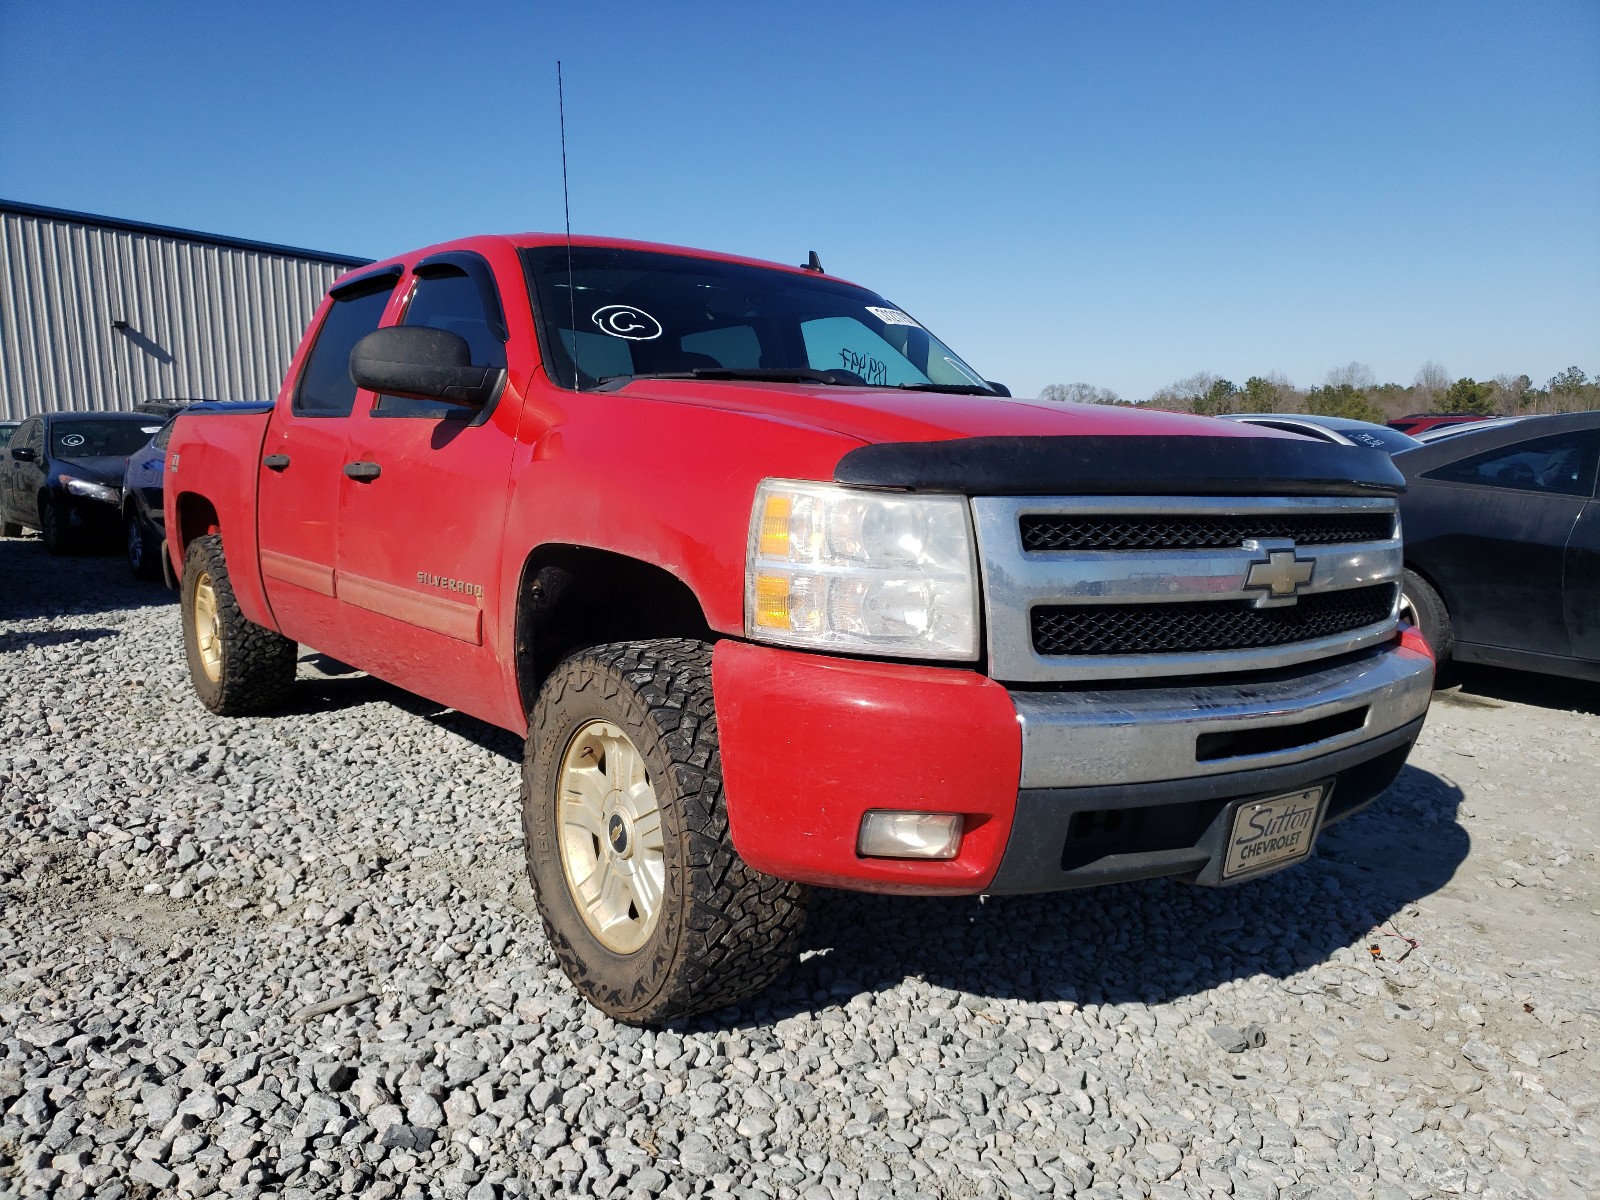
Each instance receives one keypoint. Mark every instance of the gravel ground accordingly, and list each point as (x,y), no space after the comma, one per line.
(297,957)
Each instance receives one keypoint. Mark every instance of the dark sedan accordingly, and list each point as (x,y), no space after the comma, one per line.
(1502,532)
(62,475)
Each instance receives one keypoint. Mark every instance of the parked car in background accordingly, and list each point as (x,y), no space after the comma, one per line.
(7,428)
(1502,545)
(1342,431)
(165,407)
(62,475)
(1456,429)
(143,522)
(1419,422)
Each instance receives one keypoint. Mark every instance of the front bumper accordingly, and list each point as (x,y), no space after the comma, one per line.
(811,743)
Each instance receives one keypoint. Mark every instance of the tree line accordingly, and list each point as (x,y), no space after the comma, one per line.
(1353,391)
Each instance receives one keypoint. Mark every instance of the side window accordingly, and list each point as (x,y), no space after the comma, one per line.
(452,302)
(31,435)
(326,389)
(165,435)
(1562,464)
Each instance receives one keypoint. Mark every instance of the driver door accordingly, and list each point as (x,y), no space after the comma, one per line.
(422,510)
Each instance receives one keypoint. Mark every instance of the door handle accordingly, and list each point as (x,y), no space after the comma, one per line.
(275,462)
(365,472)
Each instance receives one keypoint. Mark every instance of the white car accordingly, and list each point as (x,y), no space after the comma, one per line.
(1343,431)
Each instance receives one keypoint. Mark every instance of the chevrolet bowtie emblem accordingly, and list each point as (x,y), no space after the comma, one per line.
(1281,573)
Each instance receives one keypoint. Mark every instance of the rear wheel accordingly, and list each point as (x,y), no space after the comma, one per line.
(236,665)
(648,906)
(55,529)
(143,559)
(1423,607)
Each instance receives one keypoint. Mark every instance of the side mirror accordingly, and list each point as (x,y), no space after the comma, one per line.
(423,364)
(999,387)
(24,453)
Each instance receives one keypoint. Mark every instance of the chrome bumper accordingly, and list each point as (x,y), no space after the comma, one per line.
(1087,738)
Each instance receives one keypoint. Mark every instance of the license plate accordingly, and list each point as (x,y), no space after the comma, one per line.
(1273,833)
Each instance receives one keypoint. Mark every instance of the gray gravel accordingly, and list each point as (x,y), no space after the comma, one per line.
(297,957)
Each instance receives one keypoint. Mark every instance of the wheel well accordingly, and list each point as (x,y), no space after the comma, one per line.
(574,596)
(196,517)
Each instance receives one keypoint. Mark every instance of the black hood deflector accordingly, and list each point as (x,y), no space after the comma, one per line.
(1108,465)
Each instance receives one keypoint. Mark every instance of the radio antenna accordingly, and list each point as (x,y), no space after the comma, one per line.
(566,206)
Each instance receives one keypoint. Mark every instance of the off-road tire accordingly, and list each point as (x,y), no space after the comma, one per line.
(258,665)
(54,530)
(143,555)
(1432,617)
(9,529)
(725,931)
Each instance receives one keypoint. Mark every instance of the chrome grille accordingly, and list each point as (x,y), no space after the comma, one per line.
(1150,587)
(1043,534)
(1205,625)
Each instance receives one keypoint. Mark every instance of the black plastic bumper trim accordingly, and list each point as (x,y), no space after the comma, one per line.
(1037,853)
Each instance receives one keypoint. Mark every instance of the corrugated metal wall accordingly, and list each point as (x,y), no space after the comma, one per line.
(205,320)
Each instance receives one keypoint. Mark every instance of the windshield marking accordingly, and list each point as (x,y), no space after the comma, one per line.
(625,321)
(74,440)
(874,371)
(892,316)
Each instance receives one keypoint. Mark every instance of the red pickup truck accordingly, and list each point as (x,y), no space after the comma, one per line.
(782,592)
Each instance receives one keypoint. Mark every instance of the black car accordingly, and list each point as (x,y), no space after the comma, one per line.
(143,518)
(62,475)
(1502,534)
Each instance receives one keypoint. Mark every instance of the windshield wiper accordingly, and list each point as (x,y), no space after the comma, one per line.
(951,389)
(759,374)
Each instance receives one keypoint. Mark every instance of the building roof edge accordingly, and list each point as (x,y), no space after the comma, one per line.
(22,208)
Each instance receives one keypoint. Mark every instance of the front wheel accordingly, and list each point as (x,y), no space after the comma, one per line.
(648,906)
(55,529)
(1423,607)
(143,559)
(236,665)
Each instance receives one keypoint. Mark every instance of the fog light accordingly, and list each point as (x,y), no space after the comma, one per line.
(886,834)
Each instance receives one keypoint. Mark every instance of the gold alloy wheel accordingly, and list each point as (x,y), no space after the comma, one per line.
(609,827)
(207,629)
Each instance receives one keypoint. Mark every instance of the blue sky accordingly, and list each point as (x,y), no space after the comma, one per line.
(1117,193)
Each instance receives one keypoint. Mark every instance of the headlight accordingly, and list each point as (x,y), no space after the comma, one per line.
(869,572)
(95,491)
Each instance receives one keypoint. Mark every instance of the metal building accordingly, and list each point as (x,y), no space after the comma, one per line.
(98,313)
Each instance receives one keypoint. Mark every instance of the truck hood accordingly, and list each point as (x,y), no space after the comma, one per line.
(873,415)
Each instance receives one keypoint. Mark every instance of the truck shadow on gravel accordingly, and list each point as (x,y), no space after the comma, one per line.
(1148,942)
(1477,686)
(35,585)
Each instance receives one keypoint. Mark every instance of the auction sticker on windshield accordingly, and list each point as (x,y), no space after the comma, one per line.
(1274,832)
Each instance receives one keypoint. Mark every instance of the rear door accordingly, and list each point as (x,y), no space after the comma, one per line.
(1511,514)
(9,508)
(24,479)
(301,470)
(423,515)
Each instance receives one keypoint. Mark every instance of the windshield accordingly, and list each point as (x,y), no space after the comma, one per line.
(633,312)
(99,439)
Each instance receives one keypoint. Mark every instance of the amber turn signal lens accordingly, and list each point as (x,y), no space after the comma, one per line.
(774,541)
(772,601)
